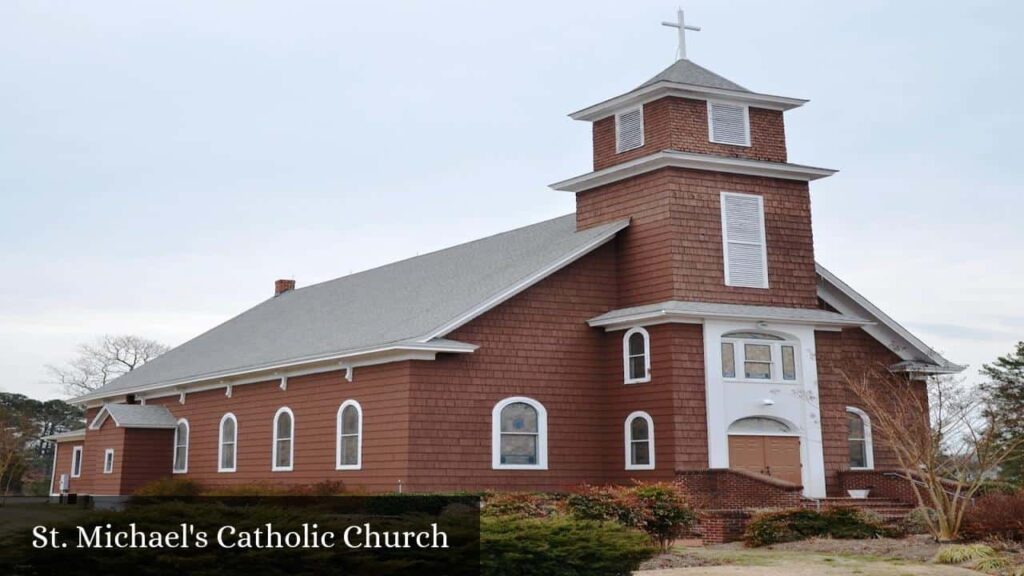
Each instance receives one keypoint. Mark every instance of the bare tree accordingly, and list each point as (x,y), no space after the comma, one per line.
(946,443)
(14,433)
(102,361)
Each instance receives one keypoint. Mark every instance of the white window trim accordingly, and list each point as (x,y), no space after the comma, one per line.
(108,452)
(629,440)
(291,445)
(234,442)
(359,438)
(76,458)
(869,449)
(739,357)
(746,124)
(542,435)
(625,356)
(726,241)
(188,439)
(618,143)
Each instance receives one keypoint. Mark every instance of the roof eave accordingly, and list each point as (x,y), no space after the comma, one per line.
(335,361)
(692,161)
(832,292)
(612,322)
(665,88)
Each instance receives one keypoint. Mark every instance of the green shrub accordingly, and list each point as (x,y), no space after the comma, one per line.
(799,524)
(662,510)
(916,521)
(960,553)
(665,512)
(559,546)
(520,505)
(170,487)
(993,564)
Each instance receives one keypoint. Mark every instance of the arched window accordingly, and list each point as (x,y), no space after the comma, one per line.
(180,447)
(349,454)
(862,455)
(754,356)
(227,451)
(639,432)
(760,426)
(636,356)
(519,439)
(284,436)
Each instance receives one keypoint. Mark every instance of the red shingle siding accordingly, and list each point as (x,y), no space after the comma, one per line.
(536,345)
(682,124)
(837,351)
(94,481)
(673,246)
(147,455)
(62,465)
(381,390)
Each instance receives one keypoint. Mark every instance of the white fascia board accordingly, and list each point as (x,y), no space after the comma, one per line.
(674,159)
(662,316)
(65,436)
(366,357)
(528,281)
(887,331)
(665,88)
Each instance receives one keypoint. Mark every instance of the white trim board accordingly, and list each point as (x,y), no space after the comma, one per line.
(665,88)
(693,161)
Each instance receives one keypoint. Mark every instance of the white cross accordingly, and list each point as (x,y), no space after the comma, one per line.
(683,27)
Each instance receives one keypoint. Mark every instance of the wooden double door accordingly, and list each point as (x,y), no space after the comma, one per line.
(775,456)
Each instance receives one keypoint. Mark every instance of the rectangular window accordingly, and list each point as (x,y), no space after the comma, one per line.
(743,240)
(728,124)
(757,361)
(108,461)
(788,363)
(728,360)
(76,461)
(629,130)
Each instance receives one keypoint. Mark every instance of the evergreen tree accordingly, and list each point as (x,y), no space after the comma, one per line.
(1005,395)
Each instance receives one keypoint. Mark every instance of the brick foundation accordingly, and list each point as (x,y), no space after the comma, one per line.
(721,526)
(726,489)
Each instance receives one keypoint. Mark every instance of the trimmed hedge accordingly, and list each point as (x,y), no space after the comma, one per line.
(798,524)
(660,509)
(559,546)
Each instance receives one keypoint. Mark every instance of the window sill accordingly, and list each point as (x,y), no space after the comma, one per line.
(282,469)
(518,467)
(348,467)
(640,467)
(223,470)
(769,382)
(861,469)
(730,144)
(638,381)
(185,471)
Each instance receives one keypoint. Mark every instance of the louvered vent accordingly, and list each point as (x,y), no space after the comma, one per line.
(743,234)
(629,130)
(728,124)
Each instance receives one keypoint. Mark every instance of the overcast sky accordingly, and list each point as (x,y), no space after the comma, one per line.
(161,163)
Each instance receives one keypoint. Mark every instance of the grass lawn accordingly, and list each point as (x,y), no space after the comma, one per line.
(22,517)
(882,557)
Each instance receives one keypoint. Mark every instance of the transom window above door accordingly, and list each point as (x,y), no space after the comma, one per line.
(756,356)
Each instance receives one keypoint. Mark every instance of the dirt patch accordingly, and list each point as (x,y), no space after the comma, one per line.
(912,548)
(684,559)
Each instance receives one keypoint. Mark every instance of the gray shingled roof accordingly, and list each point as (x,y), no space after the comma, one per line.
(403,302)
(686,72)
(136,416)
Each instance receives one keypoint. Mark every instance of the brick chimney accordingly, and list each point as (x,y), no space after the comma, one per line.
(282,286)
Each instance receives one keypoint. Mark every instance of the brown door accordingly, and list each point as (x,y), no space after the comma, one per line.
(776,456)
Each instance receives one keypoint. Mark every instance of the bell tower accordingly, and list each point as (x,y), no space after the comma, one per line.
(698,164)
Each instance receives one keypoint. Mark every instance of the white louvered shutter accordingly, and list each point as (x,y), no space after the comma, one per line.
(629,130)
(728,123)
(743,235)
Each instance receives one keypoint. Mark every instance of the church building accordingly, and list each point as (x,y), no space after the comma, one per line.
(675,326)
